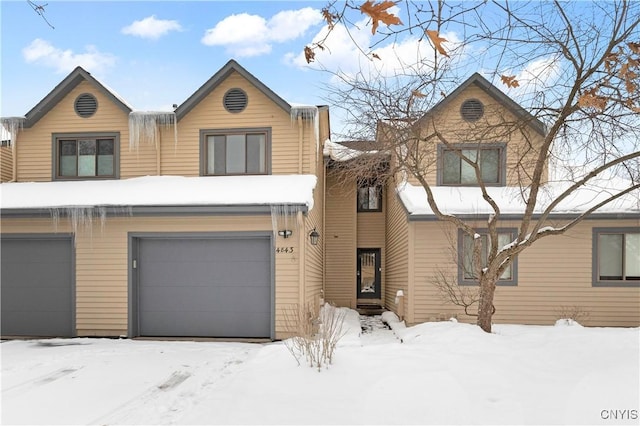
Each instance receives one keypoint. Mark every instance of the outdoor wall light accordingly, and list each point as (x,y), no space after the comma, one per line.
(285,233)
(314,236)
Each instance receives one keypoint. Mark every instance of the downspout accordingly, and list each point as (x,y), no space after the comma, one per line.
(324,227)
(14,161)
(300,144)
(158,152)
(301,260)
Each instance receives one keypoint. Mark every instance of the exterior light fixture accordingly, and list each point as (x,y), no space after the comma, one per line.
(314,236)
(285,233)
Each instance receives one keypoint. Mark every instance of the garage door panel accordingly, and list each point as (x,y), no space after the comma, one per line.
(45,299)
(201,298)
(37,286)
(203,273)
(218,287)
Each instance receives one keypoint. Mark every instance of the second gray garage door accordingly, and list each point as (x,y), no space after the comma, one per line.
(207,287)
(37,285)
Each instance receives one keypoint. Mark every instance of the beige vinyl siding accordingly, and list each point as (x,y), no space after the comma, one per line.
(35,147)
(340,244)
(555,273)
(209,113)
(396,252)
(6,163)
(521,148)
(314,255)
(102,263)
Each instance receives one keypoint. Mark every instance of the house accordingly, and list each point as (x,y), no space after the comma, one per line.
(220,218)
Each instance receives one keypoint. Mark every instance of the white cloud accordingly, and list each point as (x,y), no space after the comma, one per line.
(151,28)
(253,35)
(342,55)
(44,53)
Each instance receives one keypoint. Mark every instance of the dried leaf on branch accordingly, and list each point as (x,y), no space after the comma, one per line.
(437,41)
(510,81)
(591,99)
(378,13)
(309,54)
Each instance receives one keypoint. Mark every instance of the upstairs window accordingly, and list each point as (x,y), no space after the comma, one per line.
(236,152)
(453,170)
(616,256)
(467,272)
(369,196)
(86,156)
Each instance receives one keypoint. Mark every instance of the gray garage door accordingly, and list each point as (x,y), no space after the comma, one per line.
(214,287)
(37,286)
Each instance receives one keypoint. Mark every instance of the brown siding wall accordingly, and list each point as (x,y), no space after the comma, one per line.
(397,252)
(34,145)
(184,159)
(102,263)
(521,146)
(6,163)
(340,244)
(553,274)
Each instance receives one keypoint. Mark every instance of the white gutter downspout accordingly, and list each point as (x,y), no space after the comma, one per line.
(300,144)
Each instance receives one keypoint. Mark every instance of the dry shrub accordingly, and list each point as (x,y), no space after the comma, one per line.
(316,332)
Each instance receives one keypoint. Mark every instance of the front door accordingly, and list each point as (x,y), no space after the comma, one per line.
(368,274)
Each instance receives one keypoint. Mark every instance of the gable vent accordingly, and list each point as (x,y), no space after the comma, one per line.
(86,105)
(472,110)
(235,100)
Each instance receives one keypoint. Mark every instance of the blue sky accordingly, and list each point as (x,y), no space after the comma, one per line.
(155,54)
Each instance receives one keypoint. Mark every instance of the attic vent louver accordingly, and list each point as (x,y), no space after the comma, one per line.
(86,105)
(472,110)
(235,100)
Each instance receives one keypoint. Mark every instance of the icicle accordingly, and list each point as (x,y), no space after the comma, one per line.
(283,217)
(12,125)
(83,218)
(145,125)
(308,112)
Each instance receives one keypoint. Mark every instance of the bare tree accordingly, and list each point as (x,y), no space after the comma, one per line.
(572,66)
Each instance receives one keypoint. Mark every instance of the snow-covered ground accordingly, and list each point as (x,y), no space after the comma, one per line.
(433,373)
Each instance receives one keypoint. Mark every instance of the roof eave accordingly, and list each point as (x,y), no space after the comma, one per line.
(218,78)
(62,89)
(495,93)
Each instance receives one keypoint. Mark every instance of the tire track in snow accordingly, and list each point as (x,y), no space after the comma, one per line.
(122,411)
(42,380)
(171,397)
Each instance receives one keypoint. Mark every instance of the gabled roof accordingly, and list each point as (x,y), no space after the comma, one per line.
(76,77)
(496,94)
(218,78)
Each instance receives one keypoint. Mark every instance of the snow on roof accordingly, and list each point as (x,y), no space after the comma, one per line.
(162,191)
(468,200)
(338,152)
(113,92)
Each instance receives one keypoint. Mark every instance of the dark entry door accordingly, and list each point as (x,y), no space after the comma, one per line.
(368,274)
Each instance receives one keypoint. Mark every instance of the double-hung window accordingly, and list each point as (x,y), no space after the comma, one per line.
(454,170)
(85,156)
(369,196)
(236,152)
(467,271)
(616,254)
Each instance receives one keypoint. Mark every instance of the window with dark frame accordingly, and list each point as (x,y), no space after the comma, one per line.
(466,271)
(456,171)
(618,256)
(85,157)
(236,153)
(369,196)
